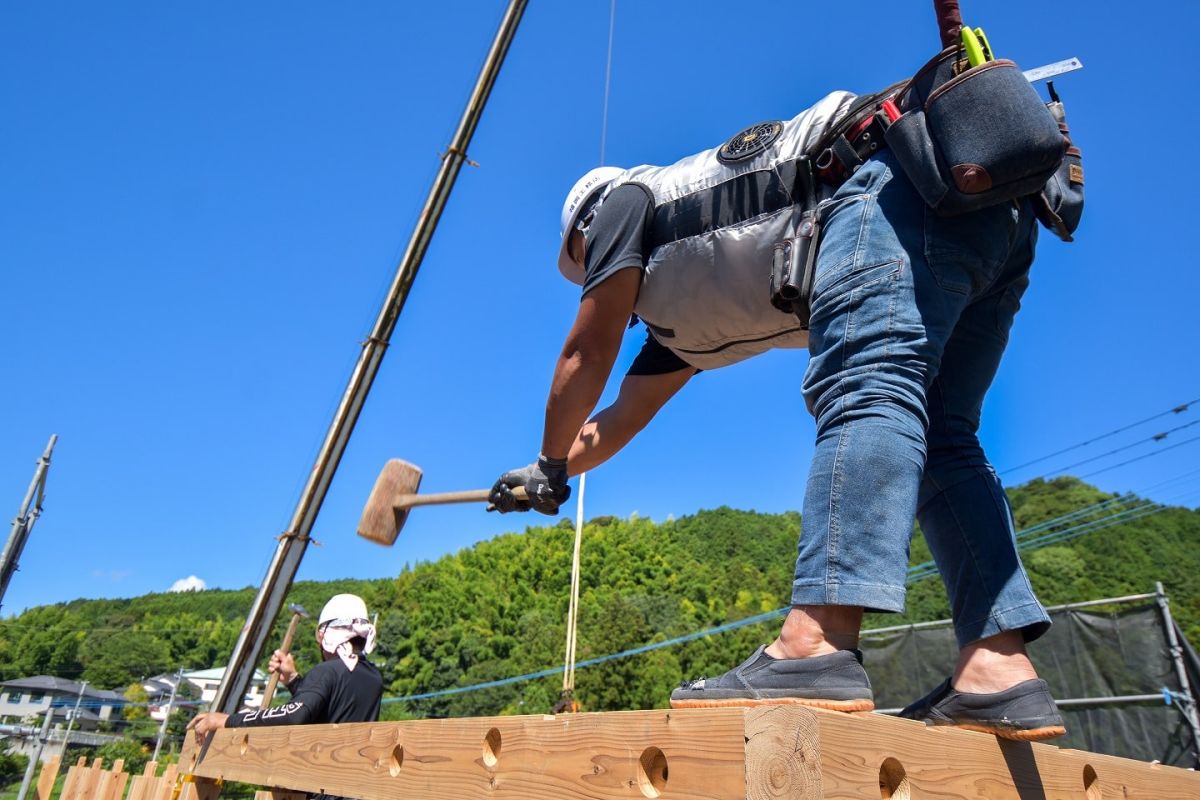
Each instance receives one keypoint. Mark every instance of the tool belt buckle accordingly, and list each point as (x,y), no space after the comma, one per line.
(851,150)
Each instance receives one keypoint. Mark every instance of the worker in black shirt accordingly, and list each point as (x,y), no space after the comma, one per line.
(344,687)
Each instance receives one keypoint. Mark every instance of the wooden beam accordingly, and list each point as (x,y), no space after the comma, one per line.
(701,755)
(870,755)
(767,753)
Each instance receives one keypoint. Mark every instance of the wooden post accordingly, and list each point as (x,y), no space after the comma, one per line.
(118,786)
(279,794)
(74,776)
(200,789)
(91,779)
(166,783)
(138,784)
(46,779)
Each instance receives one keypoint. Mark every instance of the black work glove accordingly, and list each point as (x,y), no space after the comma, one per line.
(545,483)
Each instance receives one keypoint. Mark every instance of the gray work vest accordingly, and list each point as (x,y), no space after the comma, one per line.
(717,215)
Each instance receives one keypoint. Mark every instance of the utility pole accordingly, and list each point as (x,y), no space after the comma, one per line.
(162,729)
(37,754)
(74,713)
(294,541)
(31,509)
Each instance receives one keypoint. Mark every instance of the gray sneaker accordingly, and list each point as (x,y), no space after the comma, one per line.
(836,681)
(1025,712)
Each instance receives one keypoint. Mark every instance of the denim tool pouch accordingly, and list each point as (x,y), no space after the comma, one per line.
(974,139)
(1059,206)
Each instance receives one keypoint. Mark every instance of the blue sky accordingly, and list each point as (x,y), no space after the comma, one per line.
(202,206)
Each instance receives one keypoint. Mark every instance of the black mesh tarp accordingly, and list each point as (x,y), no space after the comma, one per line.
(1086,654)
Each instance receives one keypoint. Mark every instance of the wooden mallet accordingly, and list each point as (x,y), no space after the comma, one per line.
(395,493)
(298,612)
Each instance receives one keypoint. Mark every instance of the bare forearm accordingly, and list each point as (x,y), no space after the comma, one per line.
(599,439)
(605,434)
(587,359)
(579,381)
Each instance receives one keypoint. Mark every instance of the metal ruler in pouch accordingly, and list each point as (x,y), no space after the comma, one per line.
(1051,70)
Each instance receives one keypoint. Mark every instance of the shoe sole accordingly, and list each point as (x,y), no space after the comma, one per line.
(1016,735)
(748,702)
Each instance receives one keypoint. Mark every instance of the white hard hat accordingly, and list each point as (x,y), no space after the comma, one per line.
(585,188)
(343,607)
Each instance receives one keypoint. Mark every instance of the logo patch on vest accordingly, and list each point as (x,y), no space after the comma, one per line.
(750,142)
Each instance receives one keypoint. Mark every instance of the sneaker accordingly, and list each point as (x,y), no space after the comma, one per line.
(836,681)
(1025,712)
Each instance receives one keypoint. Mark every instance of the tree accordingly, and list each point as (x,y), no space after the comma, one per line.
(117,659)
(135,755)
(12,767)
(138,699)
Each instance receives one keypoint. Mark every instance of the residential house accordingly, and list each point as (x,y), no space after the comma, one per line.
(207,681)
(26,701)
(24,698)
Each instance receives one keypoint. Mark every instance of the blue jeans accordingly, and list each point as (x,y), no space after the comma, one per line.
(910,316)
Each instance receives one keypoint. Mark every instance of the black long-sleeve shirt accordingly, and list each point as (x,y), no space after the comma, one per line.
(328,693)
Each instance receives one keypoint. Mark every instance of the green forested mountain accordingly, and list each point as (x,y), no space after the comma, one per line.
(498,609)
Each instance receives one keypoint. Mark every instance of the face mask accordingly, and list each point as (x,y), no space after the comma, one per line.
(337,635)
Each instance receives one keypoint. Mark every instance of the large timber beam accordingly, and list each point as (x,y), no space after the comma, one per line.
(713,754)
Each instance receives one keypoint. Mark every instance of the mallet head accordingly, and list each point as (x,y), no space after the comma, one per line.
(381,521)
(298,610)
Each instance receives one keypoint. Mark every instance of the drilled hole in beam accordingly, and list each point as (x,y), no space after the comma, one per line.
(893,781)
(652,772)
(1091,783)
(491,748)
(396,761)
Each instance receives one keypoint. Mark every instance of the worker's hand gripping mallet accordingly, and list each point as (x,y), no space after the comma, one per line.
(298,612)
(395,493)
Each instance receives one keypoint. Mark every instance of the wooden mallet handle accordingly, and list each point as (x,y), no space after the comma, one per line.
(273,681)
(403,501)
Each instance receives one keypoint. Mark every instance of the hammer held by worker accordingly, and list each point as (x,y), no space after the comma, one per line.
(298,612)
(395,492)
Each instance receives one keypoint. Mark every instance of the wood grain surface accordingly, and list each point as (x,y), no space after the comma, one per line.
(951,764)
(669,754)
(49,774)
(766,753)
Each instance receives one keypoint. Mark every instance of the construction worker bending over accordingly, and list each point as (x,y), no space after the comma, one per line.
(908,316)
(344,687)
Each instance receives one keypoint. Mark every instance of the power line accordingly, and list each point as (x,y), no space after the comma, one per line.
(1179,409)
(1142,458)
(1158,437)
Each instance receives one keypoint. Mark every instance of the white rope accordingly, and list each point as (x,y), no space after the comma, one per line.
(573,609)
(612,18)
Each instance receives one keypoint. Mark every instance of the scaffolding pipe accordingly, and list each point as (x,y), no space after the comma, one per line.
(22,526)
(1187,699)
(294,541)
(43,737)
